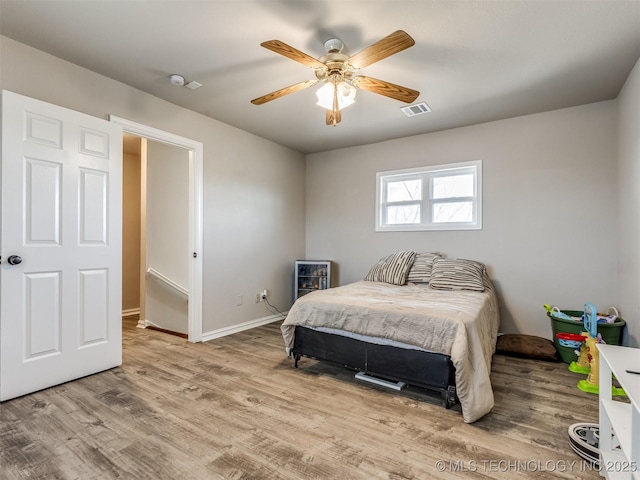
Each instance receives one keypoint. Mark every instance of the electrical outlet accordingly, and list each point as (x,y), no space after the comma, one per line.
(263,295)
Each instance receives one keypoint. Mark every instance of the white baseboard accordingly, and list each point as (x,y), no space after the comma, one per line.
(223,332)
(130,311)
(149,323)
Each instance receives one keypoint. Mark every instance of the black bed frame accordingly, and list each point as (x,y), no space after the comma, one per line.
(432,371)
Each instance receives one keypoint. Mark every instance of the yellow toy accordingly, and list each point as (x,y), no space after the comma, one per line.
(592,337)
(577,343)
(582,364)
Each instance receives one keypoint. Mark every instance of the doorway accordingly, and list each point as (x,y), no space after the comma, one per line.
(155,248)
(163,141)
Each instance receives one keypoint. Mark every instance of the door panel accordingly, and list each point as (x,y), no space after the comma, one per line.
(94,306)
(42,193)
(94,143)
(93,207)
(60,309)
(43,130)
(42,314)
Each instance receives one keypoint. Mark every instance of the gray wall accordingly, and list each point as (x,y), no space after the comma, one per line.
(629,201)
(253,213)
(560,198)
(549,213)
(167,235)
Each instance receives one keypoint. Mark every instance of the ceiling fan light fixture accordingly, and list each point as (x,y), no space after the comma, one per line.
(346,95)
(333,45)
(336,70)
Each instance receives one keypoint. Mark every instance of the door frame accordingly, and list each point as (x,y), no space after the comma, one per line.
(196,222)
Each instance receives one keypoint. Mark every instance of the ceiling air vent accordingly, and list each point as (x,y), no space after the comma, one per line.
(417,109)
(193,85)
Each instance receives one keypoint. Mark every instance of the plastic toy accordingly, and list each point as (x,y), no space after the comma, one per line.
(611,316)
(592,383)
(555,312)
(577,342)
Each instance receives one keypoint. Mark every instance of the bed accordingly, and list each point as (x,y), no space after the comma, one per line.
(435,335)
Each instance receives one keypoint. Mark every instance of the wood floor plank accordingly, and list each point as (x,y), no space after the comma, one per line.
(236,408)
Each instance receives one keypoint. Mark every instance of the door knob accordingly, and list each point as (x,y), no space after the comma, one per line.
(14,260)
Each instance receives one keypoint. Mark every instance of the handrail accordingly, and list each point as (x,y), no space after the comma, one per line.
(167,281)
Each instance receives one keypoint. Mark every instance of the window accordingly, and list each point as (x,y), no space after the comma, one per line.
(442,197)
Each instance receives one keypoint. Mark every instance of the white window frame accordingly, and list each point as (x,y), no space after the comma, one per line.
(427,174)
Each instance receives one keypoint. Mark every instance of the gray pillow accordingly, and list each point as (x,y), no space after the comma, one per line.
(421,269)
(392,269)
(457,274)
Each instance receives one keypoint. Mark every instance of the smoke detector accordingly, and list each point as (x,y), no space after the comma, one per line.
(177,80)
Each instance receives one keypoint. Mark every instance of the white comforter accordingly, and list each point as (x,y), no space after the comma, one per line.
(461,324)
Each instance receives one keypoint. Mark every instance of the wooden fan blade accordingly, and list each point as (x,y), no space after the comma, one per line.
(283,91)
(334,116)
(387,89)
(292,53)
(331,117)
(394,43)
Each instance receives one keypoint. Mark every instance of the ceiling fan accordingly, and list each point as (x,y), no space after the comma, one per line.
(337,70)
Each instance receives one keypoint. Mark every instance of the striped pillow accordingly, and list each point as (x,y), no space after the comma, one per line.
(457,274)
(421,269)
(392,269)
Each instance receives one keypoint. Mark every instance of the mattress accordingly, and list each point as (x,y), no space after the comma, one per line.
(460,324)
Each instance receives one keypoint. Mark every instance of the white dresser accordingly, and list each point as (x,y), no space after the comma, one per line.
(618,417)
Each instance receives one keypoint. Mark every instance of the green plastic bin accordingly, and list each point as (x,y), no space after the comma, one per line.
(611,332)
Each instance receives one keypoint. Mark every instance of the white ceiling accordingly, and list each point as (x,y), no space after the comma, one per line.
(473,61)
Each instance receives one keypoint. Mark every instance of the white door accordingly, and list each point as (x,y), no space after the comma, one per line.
(60,276)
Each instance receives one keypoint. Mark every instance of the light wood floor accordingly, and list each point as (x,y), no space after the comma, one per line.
(235,408)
